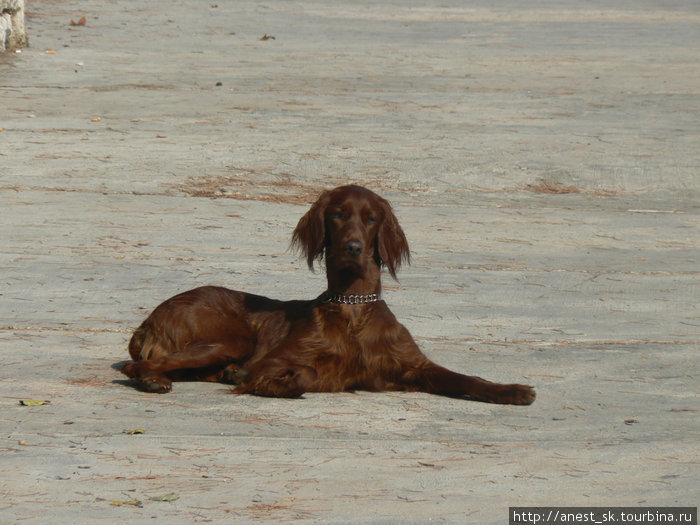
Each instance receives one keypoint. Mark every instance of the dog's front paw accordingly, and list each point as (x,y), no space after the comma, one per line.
(517,395)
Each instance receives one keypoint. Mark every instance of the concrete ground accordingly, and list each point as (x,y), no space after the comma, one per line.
(543,160)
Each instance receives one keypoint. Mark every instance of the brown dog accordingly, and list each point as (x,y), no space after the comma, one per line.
(346,339)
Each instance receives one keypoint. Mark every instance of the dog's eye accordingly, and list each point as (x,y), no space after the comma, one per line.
(338,214)
(371,219)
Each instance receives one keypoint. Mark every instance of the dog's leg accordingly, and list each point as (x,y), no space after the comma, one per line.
(435,379)
(274,377)
(152,374)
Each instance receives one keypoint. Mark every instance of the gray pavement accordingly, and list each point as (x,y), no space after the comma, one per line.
(542,158)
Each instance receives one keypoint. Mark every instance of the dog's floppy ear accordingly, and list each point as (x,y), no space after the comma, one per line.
(309,236)
(391,241)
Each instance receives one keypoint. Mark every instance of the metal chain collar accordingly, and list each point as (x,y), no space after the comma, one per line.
(353,299)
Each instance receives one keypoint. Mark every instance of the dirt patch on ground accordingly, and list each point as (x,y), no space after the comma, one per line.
(268,188)
(556,188)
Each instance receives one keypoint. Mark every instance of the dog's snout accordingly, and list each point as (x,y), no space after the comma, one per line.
(353,248)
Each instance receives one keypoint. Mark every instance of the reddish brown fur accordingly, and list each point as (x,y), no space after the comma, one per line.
(285,348)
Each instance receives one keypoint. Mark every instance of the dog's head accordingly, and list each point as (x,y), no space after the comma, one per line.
(353,227)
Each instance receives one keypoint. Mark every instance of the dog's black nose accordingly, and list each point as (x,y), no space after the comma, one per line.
(353,248)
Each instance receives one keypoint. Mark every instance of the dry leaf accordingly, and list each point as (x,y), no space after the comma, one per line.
(166,497)
(96,119)
(33,402)
(134,431)
(80,22)
(133,502)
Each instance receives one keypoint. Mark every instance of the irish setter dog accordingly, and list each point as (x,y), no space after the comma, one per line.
(346,339)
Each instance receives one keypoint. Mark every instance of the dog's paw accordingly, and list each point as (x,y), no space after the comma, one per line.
(131,369)
(517,395)
(156,385)
(146,379)
(232,374)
